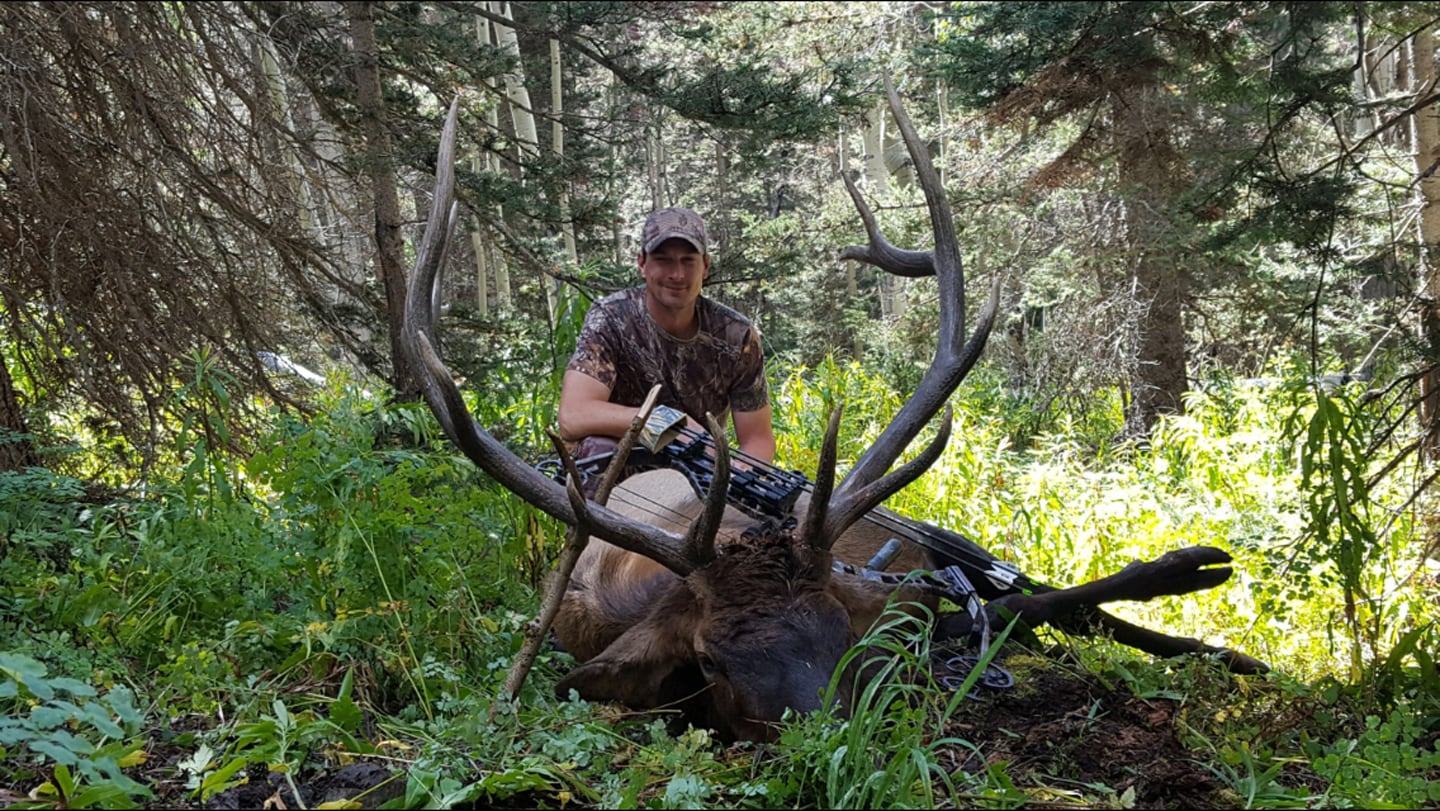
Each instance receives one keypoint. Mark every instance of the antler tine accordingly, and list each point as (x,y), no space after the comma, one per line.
(700,540)
(863,500)
(444,398)
(824,485)
(880,252)
(954,355)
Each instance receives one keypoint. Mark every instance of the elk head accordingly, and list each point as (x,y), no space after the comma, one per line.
(733,644)
(740,635)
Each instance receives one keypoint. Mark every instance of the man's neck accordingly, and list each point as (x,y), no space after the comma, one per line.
(683,324)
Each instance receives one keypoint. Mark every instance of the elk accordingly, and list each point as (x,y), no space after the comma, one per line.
(735,628)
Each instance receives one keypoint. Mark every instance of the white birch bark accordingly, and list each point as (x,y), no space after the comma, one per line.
(1425,129)
(521,112)
(557,148)
(891,287)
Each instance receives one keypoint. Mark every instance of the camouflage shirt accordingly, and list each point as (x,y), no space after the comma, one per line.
(719,369)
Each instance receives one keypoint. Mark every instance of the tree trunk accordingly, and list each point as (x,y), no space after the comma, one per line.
(521,111)
(380,166)
(522,115)
(1150,172)
(557,148)
(1426,128)
(942,106)
(335,198)
(17,452)
(495,258)
(557,141)
(485,268)
(842,165)
(891,287)
(654,161)
(281,108)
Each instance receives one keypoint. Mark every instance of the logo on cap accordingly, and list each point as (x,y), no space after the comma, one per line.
(674,223)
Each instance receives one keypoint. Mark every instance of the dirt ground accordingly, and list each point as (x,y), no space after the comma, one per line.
(1073,733)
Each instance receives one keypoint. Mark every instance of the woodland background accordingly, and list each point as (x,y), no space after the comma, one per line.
(235,546)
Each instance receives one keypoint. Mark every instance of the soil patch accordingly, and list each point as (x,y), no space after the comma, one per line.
(366,783)
(1071,732)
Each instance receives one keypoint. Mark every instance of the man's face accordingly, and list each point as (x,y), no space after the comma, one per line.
(673,274)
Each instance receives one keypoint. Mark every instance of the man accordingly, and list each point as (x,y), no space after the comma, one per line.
(705,356)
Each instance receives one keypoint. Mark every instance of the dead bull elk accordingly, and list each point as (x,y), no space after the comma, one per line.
(735,628)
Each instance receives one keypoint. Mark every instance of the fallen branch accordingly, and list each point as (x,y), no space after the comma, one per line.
(575,541)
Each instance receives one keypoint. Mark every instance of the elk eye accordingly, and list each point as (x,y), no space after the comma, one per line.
(708,665)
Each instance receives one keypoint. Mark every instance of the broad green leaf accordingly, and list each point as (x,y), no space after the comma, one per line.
(103,795)
(122,703)
(100,717)
(74,687)
(346,714)
(55,714)
(62,755)
(220,779)
(28,673)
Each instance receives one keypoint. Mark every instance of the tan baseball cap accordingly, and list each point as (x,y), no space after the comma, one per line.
(674,223)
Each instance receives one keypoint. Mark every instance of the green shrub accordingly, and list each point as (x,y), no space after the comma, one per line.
(62,724)
(1393,763)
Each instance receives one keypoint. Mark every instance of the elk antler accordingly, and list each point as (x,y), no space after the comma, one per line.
(680,555)
(824,484)
(868,484)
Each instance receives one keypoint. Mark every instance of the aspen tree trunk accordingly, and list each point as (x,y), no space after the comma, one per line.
(522,114)
(482,282)
(891,287)
(1360,122)
(852,286)
(720,225)
(521,111)
(654,158)
(479,163)
(381,169)
(280,106)
(498,262)
(553,287)
(557,140)
(337,198)
(617,238)
(1426,130)
(489,263)
(842,166)
(942,103)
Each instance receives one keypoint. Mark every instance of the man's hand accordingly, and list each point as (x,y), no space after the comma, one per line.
(663,426)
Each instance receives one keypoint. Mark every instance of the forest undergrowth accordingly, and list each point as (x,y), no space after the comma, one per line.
(343,603)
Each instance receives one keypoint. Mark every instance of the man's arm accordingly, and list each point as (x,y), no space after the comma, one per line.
(754,433)
(585,409)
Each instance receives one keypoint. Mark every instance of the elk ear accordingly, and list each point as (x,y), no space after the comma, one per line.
(653,664)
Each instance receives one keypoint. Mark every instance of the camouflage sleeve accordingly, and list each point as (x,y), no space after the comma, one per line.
(749,391)
(594,351)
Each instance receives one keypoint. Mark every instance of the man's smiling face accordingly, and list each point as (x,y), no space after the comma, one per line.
(673,274)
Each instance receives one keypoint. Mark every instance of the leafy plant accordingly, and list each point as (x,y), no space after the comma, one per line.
(1335,480)
(1393,763)
(84,736)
